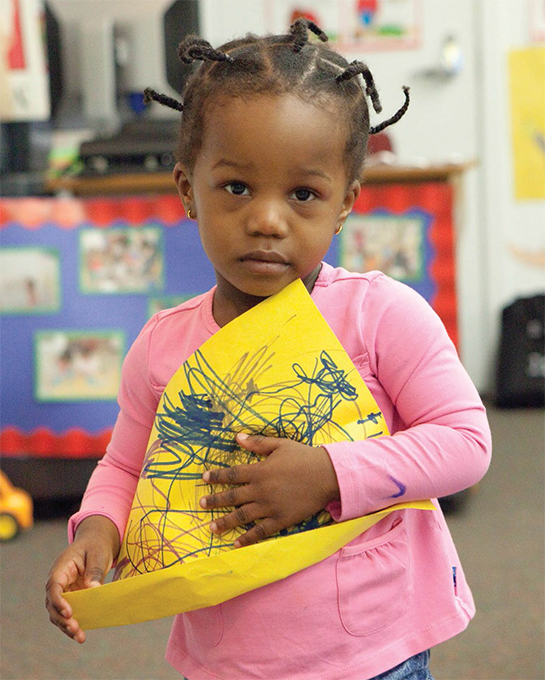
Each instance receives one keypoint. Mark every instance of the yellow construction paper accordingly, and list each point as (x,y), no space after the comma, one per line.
(278,370)
(203,583)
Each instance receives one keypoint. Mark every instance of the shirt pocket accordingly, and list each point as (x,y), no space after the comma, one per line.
(372,582)
(203,627)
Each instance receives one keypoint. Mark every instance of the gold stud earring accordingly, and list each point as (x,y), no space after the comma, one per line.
(189,214)
(339,229)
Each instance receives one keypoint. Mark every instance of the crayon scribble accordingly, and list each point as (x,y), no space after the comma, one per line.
(196,432)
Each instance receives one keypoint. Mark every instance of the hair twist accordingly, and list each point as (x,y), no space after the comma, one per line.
(400,113)
(151,95)
(193,48)
(299,30)
(354,69)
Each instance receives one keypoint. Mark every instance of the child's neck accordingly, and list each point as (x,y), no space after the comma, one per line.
(230,302)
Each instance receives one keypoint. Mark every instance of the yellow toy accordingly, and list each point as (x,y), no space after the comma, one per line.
(15,509)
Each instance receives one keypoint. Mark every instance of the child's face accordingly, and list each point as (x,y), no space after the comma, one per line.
(269,189)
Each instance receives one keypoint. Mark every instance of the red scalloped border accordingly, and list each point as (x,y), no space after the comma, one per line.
(70,213)
(43,443)
(437,198)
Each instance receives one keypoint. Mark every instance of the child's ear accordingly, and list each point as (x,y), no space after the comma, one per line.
(183,181)
(350,198)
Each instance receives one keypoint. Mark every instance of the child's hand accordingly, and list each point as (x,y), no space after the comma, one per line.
(84,564)
(291,484)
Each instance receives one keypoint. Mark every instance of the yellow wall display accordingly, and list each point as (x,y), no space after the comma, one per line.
(277,370)
(527,92)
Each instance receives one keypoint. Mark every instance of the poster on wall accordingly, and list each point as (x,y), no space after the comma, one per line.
(527,94)
(356,25)
(29,280)
(537,20)
(77,365)
(121,260)
(24,82)
(393,244)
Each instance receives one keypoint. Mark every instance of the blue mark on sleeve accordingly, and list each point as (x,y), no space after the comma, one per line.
(402,488)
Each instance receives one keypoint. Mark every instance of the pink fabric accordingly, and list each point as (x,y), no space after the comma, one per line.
(390,593)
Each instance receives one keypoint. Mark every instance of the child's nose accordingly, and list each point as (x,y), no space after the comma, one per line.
(267,218)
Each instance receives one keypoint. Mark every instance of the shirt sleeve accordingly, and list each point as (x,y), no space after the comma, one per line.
(444,443)
(112,485)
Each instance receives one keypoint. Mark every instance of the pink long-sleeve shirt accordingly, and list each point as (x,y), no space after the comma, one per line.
(396,590)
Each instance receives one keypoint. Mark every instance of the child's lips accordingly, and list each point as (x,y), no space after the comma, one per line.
(264,262)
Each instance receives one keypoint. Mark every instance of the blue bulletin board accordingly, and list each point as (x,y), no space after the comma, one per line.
(80,278)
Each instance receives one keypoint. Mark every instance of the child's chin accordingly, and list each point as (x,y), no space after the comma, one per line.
(264,289)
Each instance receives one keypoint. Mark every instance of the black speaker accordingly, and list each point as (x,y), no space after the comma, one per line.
(521,362)
(180,19)
(54,59)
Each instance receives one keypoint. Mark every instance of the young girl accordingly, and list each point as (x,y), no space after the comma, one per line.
(272,144)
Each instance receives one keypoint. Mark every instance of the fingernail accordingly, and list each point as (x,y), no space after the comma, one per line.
(237,544)
(202,502)
(206,476)
(242,436)
(213,527)
(65,613)
(95,584)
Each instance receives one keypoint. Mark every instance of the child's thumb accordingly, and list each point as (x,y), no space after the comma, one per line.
(257,443)
(94,577)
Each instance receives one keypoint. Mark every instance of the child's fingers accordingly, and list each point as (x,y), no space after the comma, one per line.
(258,443)
(264,529)
(70,627)
(241,474)
(236,495)
(245,514)
(54,599)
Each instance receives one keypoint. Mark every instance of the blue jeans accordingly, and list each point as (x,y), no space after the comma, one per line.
(415,668)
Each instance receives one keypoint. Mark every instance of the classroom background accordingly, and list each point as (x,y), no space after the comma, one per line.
(94,240)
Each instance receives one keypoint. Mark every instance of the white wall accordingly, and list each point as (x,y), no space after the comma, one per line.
(507,222)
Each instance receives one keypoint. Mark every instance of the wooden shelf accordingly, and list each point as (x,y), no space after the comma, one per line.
(162,182)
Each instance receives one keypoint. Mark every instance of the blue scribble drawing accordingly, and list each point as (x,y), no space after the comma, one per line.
(196,432)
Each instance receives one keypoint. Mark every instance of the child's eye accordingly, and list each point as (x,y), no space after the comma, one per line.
(237,189)
(303,195)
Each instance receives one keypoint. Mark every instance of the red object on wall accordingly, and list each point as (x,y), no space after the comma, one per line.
(70,213)
(43,443)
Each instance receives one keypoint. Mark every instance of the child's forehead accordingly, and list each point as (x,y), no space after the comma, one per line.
(244,122)
(226,114)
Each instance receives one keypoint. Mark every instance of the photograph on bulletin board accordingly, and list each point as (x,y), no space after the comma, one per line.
(356,24)
(29,280)
(157,304)
(392,244)
(78,365)
(121,260)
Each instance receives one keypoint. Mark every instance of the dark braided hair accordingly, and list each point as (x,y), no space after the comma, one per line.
(276,65)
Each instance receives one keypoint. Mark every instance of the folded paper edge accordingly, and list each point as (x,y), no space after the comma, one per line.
(159,594)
